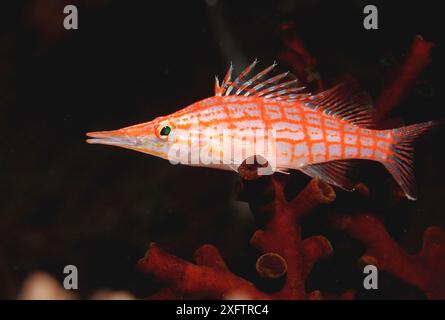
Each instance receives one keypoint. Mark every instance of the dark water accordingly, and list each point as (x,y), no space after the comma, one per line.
(97,207)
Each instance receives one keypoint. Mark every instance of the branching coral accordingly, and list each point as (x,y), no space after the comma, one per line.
(404,77)
(281,235)
(297,57)
(208,278)
(285,253)
(424,270)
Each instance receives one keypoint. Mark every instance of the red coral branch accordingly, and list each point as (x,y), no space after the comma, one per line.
(285,253)
(282,235)
(417,59)
(297,57)
(424,270)
(210,280)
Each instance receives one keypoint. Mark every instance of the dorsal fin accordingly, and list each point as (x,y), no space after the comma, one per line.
(346,102)
(279,87)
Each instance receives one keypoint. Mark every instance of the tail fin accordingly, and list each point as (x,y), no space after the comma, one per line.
(400,164)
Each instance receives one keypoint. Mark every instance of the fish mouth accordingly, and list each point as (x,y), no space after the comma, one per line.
(112,138)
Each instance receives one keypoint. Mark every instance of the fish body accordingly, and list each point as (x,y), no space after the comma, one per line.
(303,136)
(317,134)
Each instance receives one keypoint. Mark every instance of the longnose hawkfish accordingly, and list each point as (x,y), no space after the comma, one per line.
(273,118)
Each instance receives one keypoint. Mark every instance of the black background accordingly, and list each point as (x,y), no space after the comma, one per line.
(97,207)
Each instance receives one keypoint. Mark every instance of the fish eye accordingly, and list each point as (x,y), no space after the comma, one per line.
(164,131)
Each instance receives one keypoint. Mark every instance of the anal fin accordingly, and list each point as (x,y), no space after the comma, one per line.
(335,172)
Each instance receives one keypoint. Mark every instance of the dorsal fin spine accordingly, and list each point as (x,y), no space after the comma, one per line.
(271,88)
(241,76)
(253,79)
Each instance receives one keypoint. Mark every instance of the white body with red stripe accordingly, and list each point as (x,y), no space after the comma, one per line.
(317,134)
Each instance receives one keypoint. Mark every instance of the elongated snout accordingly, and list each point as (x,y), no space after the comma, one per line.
(114,138)
(140,137)
(126,137)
